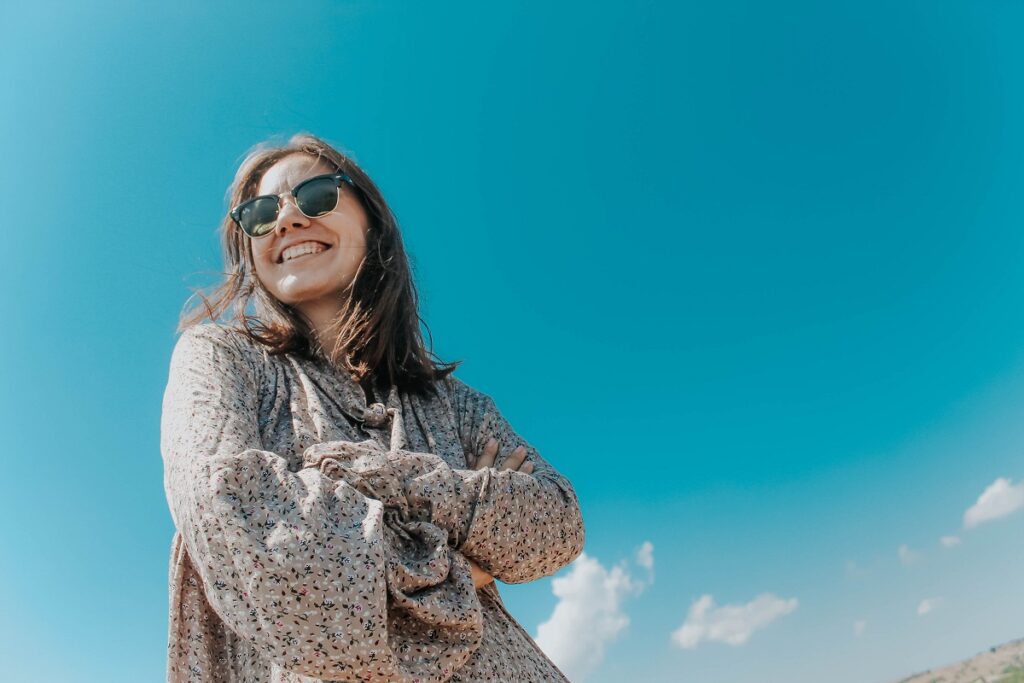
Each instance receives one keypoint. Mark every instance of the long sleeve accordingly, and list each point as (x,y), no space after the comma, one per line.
(517,526)
(319,577)
(524,526)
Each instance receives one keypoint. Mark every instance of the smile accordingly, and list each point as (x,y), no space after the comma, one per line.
(301,250)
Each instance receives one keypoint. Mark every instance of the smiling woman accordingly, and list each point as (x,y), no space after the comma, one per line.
(284,258)
(356,301)
(342,503)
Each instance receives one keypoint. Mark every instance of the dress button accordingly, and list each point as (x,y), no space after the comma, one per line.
(375,415)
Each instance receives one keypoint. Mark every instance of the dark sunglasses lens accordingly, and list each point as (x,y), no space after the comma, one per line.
(259,217)
(318,197)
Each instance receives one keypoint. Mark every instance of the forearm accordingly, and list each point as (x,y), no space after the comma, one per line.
(524,526)
(516,526)
(305,568)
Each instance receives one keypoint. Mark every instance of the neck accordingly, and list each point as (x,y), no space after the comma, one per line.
(322,316)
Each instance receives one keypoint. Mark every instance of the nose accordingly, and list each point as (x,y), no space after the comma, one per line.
(289,216)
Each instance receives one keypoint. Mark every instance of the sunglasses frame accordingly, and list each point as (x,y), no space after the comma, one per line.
(339,178)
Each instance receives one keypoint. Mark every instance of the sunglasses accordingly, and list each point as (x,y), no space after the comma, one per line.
(316,196)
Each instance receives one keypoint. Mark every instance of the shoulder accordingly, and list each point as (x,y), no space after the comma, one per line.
(468,403)
(210,335)
(215,347)
(460,392)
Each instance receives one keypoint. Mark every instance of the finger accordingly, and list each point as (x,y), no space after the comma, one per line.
(486,458)
(480,577)
(527,467)
(515,459)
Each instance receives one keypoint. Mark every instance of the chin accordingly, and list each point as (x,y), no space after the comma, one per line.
(295,297)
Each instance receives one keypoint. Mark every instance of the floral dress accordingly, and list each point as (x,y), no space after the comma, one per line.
(323,539)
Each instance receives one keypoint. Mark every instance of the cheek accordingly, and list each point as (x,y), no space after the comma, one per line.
(352,243)
(357,245)
(263,269)
(355,252)
(353,237)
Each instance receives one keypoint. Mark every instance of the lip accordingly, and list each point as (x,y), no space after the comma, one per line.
(299,258)
(286,247)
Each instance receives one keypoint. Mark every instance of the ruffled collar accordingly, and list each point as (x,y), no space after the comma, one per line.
(377,414)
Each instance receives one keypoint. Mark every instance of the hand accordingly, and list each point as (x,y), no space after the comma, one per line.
(515,461)
(480,577)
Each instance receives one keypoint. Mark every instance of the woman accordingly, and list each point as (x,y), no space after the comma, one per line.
(341,501)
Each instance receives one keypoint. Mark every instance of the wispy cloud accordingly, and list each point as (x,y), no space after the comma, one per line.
(949,541)
(589,614)
(858,627)
(855,571)
(731,624)
(907,556)
(1000,499)
(929,605)
(645,555)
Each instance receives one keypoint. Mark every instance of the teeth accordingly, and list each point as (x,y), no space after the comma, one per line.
(301,250)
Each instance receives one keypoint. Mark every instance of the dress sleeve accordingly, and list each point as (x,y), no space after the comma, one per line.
(524,526)
(321,578)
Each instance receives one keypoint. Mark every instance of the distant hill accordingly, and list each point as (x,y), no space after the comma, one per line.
(1002,664)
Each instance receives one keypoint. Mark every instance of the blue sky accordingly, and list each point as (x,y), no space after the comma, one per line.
(748,273)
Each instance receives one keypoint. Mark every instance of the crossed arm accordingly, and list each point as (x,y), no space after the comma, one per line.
(513,461)
(303,564)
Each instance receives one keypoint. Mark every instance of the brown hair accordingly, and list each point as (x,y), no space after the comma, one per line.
(378,327)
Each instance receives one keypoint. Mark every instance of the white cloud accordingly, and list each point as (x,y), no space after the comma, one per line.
(949,541)
(858,627)
(589,614)
(1000,499)
(928,605)
(908,556)
(732,624)
(645,556)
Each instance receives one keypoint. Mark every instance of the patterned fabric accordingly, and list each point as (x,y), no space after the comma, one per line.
(321,538)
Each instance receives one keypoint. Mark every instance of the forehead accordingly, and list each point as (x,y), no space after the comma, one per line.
(290,171)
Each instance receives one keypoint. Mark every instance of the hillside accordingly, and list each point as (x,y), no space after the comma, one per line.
(1002,664)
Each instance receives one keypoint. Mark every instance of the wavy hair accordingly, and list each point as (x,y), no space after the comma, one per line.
(378,334)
